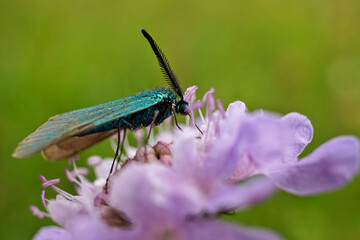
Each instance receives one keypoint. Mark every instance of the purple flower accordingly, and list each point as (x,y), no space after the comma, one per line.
(270,145)
(245,144)
(176,187)
(330,166)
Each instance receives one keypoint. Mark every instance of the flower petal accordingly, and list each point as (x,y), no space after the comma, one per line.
(231,197)
(330,166)
(153,193)
(207,230)
(301,130)
(214,230)
(185,159)
(52,233)
(63,211)
(235,108)
(260,142)
(93,228)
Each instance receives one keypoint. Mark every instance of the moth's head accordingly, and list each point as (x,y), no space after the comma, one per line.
(182,107)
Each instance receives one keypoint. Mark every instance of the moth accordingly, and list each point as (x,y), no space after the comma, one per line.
(69,133)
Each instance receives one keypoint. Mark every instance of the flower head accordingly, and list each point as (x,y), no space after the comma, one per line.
(178,185)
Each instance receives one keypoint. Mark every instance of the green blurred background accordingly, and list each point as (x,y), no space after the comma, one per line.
(300,55)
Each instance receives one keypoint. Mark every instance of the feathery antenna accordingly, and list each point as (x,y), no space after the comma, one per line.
(164,65)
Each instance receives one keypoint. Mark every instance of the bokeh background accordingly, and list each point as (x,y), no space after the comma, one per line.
(283,56)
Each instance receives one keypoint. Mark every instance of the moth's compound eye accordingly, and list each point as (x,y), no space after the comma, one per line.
(182,107)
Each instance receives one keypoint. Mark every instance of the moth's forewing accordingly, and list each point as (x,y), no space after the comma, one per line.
(64,126)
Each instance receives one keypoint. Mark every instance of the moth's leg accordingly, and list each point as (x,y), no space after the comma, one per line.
(152,124)
(176,122)
(116,154)
(193,120)
(199,129)
(130,126)
(121,150)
